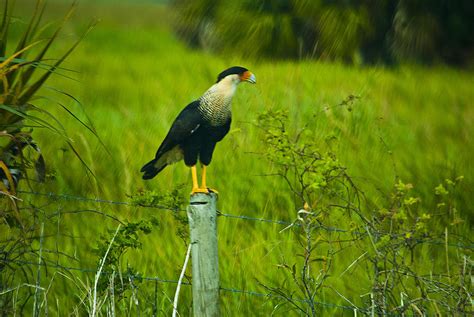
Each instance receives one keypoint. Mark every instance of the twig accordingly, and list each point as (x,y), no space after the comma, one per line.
(352,264)
(112,294)
(176,294)
(97,276)
(343,297)
(38,275)
(5,291)
(447,251)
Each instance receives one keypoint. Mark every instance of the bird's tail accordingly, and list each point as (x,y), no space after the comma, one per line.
(152,168)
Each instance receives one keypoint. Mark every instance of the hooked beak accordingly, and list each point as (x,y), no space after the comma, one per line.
(248,76)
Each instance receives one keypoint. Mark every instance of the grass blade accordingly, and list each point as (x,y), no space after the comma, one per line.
(30,28)
(6,171)
(38,20)
(52,117)
(37,120)
(10,59)
(28,34)
(79,120)
(6,69)
(36,64)
(4,30)
(37,85)
(40,64)
(25,77)
(80,159)
(89,126)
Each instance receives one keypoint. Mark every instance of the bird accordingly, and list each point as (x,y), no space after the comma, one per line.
(198,127)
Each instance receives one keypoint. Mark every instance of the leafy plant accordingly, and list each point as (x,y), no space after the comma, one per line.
(391,230)
(321,185)
(111,249)
(22,74)
(371,30)
(311,170)
(172,200)
(24,70)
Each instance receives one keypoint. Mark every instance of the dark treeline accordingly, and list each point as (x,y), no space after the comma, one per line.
(361,31)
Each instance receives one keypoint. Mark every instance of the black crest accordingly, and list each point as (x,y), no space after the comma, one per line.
(238,70)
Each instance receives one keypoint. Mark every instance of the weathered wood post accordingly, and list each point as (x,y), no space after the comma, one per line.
(202,215)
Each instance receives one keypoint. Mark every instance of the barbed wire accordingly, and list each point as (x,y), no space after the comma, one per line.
(161,280)
(253,293)
(162,207)
(68,197)
(96,200)
(280,222)
(220,213)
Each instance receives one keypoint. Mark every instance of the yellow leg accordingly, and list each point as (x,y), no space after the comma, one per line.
(194,176)
(196,188)
(204,184)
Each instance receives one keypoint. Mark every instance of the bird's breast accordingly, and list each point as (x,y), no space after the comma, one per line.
(216,110)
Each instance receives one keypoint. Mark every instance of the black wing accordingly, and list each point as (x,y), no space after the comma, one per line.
(185,124)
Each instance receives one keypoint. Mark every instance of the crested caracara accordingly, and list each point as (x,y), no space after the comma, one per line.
(198,127)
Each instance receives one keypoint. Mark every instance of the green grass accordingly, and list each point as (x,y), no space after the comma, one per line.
(135,76)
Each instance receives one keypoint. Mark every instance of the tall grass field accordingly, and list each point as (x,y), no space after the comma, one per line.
(402,135)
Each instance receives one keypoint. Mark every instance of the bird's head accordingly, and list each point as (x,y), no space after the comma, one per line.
(237,74)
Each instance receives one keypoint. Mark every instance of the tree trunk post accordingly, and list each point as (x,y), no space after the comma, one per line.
(202,215)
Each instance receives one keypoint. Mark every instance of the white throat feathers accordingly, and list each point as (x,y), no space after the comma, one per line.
(216,102)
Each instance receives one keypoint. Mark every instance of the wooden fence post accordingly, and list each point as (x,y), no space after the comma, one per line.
(202,215)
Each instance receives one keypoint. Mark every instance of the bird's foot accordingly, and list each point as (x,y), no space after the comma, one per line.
(203,191)
(199,190)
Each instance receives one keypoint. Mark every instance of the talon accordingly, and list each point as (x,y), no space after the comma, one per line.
(203,189)
(199,190)
(203,185)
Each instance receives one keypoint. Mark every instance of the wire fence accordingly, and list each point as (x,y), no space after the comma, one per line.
(156,279)
(162,207)
(69,197)
(162,280)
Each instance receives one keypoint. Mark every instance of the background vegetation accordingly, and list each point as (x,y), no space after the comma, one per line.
(358,31)
(381,157)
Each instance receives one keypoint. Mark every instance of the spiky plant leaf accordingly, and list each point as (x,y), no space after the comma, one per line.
(8,60)
(25,96)
(25,77)
(9,177)
(23,115)
(40,168)
(27,34)
(4,29)
(19,86)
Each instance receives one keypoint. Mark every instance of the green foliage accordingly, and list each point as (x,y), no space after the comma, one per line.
(21,78)
(278,29)
(173,200)
(411,123)
(111,249)
(393,235)
(447,202)
(309,166)
(345,30)
(170,199)
(342,31)
(303,285)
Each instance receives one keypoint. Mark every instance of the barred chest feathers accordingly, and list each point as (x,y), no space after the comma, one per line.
(216,103)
